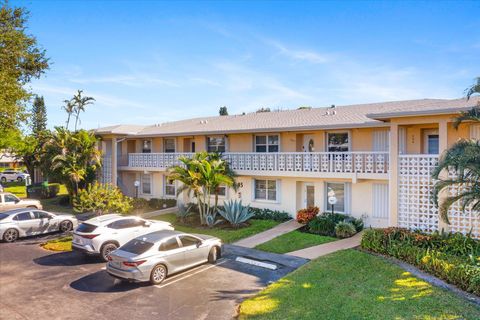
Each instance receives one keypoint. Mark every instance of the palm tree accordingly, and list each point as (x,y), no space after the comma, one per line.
(80,104)
(69,107)
(463,160)
(201,176)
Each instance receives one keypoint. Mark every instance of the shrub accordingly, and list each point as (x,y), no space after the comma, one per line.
(443,255)
(139,203)
(322,225)
(64,200)
(345,230)
(101,199)
(306,215)
(235,213)
(159,204)
(357,223)
(43,190)
(269,214)
(184,211)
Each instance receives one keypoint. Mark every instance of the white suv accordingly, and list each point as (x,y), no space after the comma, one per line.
(13,175)
(103,234)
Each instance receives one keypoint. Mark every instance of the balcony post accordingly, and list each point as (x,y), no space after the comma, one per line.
(114,161)
(393,176)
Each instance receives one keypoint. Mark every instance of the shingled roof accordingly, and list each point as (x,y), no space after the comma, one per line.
(351,116)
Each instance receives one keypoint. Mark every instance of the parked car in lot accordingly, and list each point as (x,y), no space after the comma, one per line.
(9,201)
(20,223)
(13,175)
(101,235)
(154,256)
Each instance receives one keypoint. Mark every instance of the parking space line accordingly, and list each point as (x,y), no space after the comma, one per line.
(191,274)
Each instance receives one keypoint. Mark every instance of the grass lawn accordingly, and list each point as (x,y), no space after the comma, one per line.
(351,284)
(227,235)
(60,244)
(292,241)
(17,188)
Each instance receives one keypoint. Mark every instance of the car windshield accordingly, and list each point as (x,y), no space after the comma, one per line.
(3,216)
(136,246)
(86,227)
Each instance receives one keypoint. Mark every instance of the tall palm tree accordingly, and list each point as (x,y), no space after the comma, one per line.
(69,107)
(80,104)
(201,176)
(463,160)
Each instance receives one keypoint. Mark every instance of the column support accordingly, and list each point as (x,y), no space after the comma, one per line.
(442,146)
(393,175)
(114,161)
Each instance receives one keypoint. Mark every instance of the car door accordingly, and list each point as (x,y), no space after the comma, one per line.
(10,201)
(47,223)
(195,253)
(26,223)
(174,255)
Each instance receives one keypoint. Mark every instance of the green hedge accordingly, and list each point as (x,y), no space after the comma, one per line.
(43,190)
(451,257)
(268,214)
(154,203)
(325,224)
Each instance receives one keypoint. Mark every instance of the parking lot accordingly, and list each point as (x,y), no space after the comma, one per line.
(38,284)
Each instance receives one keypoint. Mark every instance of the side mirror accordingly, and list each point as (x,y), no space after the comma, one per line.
(199,243)
(147,224)
(17,201)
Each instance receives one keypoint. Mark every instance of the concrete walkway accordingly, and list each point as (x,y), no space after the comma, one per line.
(268,235)
(326,248)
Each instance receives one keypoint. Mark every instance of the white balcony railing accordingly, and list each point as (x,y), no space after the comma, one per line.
(334,162)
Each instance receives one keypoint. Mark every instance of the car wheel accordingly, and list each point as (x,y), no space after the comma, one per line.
(10,235)
(159,273)
(4,179)
(66,226)
(106,250)
(19,179)
(213,255)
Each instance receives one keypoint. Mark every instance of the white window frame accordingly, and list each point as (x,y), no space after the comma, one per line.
(430,132)
(348,132)
(166,184)
(266,142)
(142,175)
(174,145)
(347,197)
(277,190)
(224,138)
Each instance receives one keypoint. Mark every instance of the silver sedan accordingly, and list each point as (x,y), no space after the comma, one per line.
(28,222)
(155,255)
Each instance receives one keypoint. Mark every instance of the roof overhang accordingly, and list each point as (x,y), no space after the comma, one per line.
(402,114)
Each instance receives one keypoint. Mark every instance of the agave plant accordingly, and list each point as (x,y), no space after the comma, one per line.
(183,212)
(235,213)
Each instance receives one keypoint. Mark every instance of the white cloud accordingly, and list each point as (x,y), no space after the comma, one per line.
(302,55)
(137,80)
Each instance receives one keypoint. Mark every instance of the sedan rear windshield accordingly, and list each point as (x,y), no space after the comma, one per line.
(86,228)
(136,246)
(3,216)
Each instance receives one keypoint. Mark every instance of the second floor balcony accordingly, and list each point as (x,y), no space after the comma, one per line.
(366,164)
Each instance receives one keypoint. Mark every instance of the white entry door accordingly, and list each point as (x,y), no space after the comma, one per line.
(309,195)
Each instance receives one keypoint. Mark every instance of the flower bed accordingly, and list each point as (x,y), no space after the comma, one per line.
(454,258)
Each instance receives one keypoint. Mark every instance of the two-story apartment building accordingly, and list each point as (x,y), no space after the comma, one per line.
(376,158)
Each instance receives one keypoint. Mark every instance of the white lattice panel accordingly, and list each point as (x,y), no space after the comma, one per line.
(467,221)
(416,209)
(106,172)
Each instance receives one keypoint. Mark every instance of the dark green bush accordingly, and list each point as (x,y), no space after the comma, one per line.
(322,225)
(268,214)
(447,256)
(159,204)
(43,190)
(140,203)
(357,223)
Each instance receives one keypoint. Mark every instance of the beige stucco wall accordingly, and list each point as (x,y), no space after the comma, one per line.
(240,142)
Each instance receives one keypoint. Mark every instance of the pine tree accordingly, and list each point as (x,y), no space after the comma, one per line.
(39,117)
(223,111)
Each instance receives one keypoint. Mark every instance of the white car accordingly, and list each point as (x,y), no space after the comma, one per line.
(19,223)
(13,175)
(101,235)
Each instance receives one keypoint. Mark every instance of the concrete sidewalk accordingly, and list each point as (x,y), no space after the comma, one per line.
(268,235)
(323,249)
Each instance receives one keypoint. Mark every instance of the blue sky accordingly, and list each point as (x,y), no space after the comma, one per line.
(149,62)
